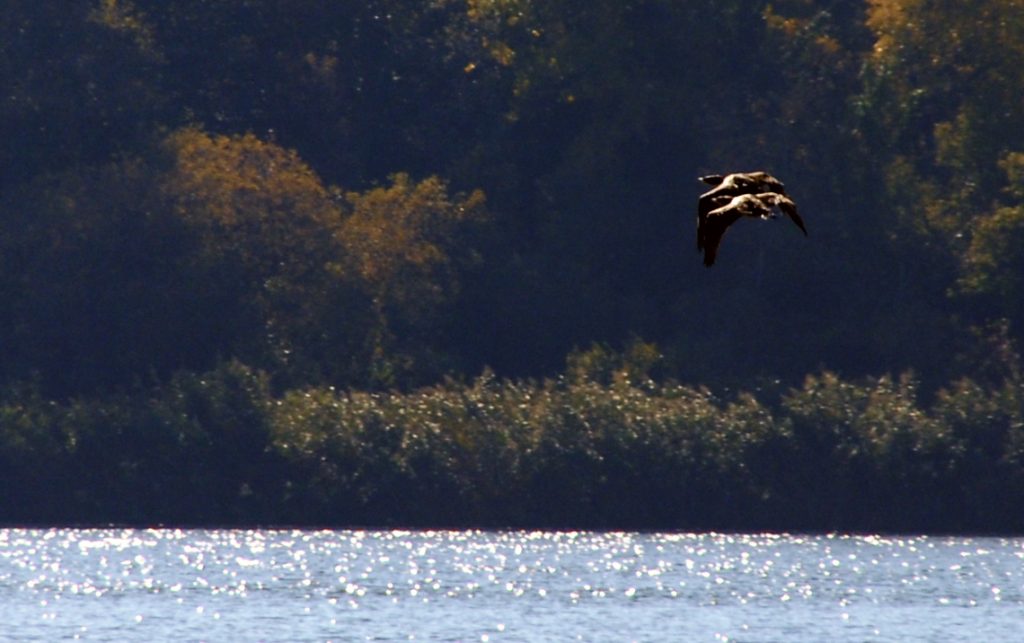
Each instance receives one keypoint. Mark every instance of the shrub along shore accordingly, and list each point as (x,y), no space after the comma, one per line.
(616,450)
(251,202)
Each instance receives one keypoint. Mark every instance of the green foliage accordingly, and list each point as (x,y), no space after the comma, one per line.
(985,430)
(96,283)
(604,365)
(521,453)
(33,453)
(221,422)
(241,151)
(299,187)
(939,79)
(220,448)
(871,448)
(214,246)
(76,91)
(993,265)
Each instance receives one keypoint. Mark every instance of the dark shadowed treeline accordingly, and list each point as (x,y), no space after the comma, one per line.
(257,248)
(601,446)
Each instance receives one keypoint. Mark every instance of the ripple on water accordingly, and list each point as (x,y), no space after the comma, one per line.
(294,584)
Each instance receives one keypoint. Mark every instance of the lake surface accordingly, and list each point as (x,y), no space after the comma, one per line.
(236,585)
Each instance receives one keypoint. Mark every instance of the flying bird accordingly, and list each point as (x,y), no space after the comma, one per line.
(727,186)
(735,196)
(757,206)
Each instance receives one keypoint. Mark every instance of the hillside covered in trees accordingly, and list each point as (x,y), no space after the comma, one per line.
(244,242)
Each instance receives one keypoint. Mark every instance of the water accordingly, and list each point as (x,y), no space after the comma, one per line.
(124,584)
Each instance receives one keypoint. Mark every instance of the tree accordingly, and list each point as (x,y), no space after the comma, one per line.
(95,283)
(940,78)
(207,247)
(79,86)
(993,269)
(269,253)
(360,89)
(410,244)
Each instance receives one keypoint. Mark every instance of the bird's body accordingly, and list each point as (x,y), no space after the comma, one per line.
(742,194)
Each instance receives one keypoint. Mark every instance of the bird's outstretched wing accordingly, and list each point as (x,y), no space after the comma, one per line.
(717,222)
(714,229)
(706,204)
(787,206)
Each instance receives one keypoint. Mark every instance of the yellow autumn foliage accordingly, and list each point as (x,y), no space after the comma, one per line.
(404,238)
(886,18)
(255,199)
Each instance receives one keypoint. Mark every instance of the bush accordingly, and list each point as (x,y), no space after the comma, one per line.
(619,451)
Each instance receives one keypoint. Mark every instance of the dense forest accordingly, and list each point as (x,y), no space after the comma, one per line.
(433,262)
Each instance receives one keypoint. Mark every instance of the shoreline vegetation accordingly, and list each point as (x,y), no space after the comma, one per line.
(413,263)
(595,448)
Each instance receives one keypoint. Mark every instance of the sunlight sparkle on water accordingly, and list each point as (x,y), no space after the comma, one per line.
(286,584)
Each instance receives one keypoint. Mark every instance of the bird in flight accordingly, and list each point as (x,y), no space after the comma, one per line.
(742,194)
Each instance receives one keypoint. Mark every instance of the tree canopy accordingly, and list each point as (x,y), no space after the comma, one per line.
(380,194)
